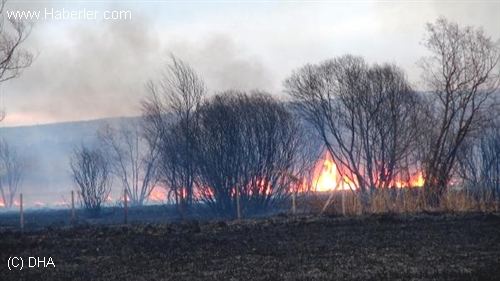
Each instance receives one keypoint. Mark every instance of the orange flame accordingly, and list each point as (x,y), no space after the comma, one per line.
(263,187)
(158,194)
(204,192)
(417,181)
(39,204)
(328,177)
(60,203)
(183,192)
(2,205)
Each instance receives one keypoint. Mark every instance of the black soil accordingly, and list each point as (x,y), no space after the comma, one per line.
(376,247)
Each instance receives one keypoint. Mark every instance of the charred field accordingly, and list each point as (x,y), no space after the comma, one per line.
(425,246)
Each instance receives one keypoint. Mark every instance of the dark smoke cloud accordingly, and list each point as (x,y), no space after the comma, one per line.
(85,71)
(94,70)
(225,65)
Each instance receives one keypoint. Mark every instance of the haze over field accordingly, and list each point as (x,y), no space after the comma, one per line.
(89,69)
(46,150)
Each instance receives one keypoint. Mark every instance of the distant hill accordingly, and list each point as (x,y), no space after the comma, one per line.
(47,148)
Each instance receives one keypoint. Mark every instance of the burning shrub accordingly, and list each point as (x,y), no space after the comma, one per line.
(243,141)
(367,116)
(169,123)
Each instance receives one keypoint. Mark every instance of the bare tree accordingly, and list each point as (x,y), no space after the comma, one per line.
(13,32)
(13,59)
(159,124)
(243,142)
(462,75)
(133,159)
(479,164)
(90,171)
(395,113)
(366,116)
(310,148)
(174,100)
(12,169)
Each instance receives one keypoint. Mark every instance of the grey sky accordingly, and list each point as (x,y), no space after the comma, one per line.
(88,69)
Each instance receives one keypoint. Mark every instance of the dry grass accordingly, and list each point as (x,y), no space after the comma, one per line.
(411,200)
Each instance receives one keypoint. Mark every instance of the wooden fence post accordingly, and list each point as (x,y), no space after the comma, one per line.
(73,216)
(343,201)
(181,204)
(125,205)
(21,220)
(238,209)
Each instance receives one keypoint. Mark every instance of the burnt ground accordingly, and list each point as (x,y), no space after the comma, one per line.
(427,246)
